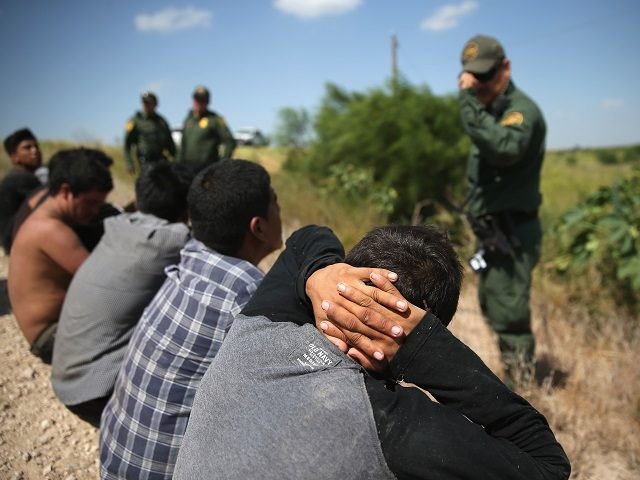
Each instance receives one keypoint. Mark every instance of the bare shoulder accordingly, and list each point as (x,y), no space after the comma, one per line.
(54,238)
(44,229)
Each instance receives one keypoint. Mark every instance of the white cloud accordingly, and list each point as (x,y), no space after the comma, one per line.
(611,103)
(315,8)
(448,16)
(171,19)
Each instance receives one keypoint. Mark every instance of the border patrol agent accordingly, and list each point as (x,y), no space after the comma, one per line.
(508,132)
(204,133)
(149,133)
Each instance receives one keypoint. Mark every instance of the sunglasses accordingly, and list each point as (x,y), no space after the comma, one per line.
(487,76)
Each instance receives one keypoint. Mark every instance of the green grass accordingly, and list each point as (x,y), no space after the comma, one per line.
(569,176)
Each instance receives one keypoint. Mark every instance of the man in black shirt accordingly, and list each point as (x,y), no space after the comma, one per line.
(24,153)
(261,392)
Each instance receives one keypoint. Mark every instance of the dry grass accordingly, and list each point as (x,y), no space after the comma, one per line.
(270,158)
(595,413)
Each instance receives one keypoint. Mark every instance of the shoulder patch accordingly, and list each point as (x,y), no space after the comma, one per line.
(204,122)
(512,118)
(129,126)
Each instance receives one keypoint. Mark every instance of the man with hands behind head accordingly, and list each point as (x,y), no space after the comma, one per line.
(281,399)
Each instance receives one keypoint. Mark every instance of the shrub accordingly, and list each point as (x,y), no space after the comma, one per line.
(599,241)
(401,138)
(606,157)
(357,184)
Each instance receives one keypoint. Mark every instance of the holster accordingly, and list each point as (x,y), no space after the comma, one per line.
(495,232)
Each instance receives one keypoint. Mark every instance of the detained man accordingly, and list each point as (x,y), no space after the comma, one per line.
(47,252)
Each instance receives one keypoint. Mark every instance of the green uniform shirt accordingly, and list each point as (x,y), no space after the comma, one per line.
(151,136)
(202,137)
(506,156)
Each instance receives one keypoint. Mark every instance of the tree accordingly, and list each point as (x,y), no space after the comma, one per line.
(293,128)
(404,138)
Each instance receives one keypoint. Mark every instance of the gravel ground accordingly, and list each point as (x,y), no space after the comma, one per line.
(39,438)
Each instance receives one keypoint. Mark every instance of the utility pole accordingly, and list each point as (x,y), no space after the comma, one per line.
(394,59)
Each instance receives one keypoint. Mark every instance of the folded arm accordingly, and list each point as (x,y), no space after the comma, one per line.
(521,445)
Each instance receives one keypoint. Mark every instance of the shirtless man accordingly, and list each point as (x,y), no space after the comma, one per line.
(47,252)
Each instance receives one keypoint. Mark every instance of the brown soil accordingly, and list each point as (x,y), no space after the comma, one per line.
(39,438)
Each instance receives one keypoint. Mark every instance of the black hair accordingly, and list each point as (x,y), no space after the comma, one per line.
(83,169)
(161,189)
(223,199)
(12,141)
(100,156)
(428,268)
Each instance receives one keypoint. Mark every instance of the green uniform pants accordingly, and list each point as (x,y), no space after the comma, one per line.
(504,293)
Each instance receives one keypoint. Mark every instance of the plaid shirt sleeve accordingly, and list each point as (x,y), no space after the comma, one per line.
(176,339)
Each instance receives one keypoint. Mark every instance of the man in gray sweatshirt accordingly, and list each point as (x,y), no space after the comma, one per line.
(281,401)
(114,285)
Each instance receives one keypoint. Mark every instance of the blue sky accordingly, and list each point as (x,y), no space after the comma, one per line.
(75,69)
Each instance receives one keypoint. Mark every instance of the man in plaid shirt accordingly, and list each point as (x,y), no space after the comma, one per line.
(236,222)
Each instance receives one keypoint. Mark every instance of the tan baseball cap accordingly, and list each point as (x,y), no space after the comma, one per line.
(480,54)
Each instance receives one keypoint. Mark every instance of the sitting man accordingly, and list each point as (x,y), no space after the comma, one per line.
(113,286)
(24,153)
(46,252)
(282,400)
(88,233)
(235,219)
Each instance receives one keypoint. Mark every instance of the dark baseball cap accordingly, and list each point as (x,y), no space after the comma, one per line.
(481,53)
(201,94)
(149,97)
